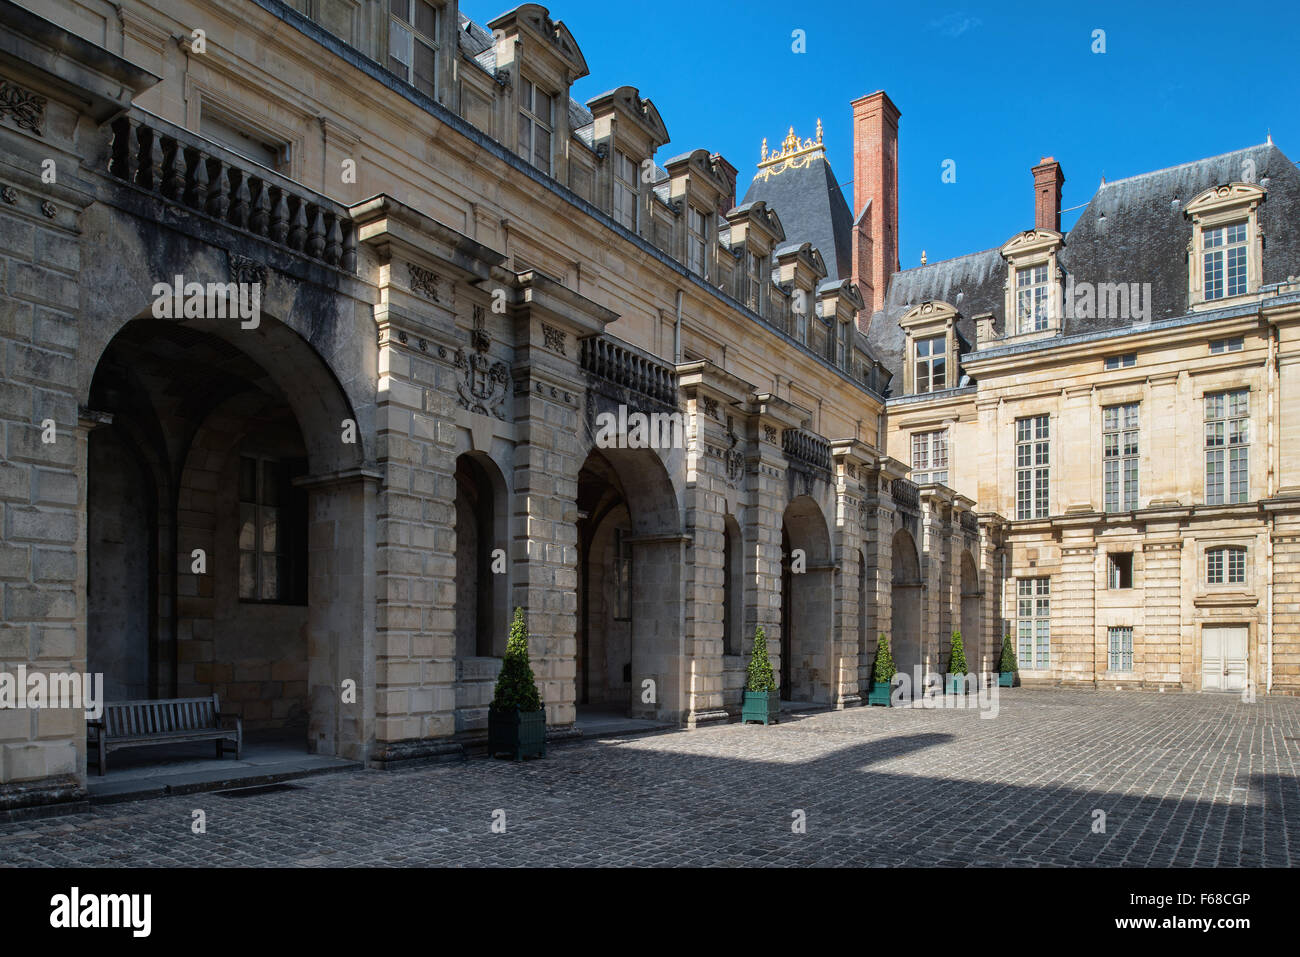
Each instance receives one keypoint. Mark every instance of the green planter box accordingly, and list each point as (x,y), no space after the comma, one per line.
(519,733)
(762,706)
(1006,679)
(879,694)
(956,684)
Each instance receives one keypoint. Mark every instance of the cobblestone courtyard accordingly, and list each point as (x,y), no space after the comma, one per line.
(1183,779)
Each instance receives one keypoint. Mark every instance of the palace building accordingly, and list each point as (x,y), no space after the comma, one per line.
(472,290)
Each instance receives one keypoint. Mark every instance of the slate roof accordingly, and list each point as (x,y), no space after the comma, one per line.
(1132,231)
(812,210)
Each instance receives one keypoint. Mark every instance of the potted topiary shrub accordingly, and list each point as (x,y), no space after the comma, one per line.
(882,675)
(957,669)
(762,701)
(1008,668)
(516,718)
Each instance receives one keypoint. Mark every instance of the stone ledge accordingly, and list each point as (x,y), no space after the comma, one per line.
(63,794)
(411,751)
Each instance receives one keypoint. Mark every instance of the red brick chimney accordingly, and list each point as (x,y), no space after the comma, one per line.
(1048,180)
(875,193)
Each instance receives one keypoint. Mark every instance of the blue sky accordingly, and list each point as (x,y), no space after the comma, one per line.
(992,87)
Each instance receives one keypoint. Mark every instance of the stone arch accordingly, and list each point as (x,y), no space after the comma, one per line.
(905,639)
(482,585)
(733,586)
(211,387)
(631,551)
(807,659)
(972,594)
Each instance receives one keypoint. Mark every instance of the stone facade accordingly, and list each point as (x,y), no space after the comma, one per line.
(324,510)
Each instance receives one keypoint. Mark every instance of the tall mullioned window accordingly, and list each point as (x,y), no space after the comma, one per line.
(1120,640)
(1119,434)
(1225,261)
(697,242)
(1033,465)
(1034,622)
(753,281)
(931,364)
(272,531)
(930,457)
(625,190)
(536,124)
(1031,298)
(1227,447)
(413,43)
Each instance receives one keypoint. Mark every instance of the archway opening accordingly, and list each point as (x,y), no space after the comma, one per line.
(733,587)
(201,579)
(807,663)
(971,595)
(905,599)
(482,586)
(630,657)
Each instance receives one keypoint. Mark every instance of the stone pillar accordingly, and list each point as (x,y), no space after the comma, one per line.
(1074,623)
(550,395)
(1162,570)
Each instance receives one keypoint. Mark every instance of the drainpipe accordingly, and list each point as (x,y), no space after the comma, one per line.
(1272,481)
(677,331)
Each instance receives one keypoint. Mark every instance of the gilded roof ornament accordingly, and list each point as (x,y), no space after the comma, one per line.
(793,153)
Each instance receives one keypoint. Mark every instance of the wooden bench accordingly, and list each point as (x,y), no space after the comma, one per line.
(136,724)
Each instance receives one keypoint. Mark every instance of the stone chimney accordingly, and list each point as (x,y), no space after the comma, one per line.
(875,196)
(1048,180)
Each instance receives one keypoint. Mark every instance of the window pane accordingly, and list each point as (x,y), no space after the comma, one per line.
(426,19)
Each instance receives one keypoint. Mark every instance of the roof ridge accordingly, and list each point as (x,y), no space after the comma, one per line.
(1176,166)
(951,259)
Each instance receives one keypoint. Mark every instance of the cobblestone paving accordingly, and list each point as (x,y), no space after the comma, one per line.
(1183,779)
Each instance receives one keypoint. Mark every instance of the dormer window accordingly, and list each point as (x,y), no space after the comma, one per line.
(536,124)
(697,241)
(1224,261)
(625,190)
(1032,296)
(1032,291)
(931,361)
(1226,251)
(413,43)
(931,364)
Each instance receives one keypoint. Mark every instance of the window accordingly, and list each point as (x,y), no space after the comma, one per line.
(1119,570)
(230,133)
(931,364)
(272,532)
(1121,648)
(1032,466)
(1125,361)
(1119,435)
(622,576)
(1225,565)
(1219,346)
(1033,622)
(753,282)
(1227,447)
(413,42)
(930,457)
(842,351)
(536,121)
(1224,260)
(1031,298)
(697,241)
(625,190)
